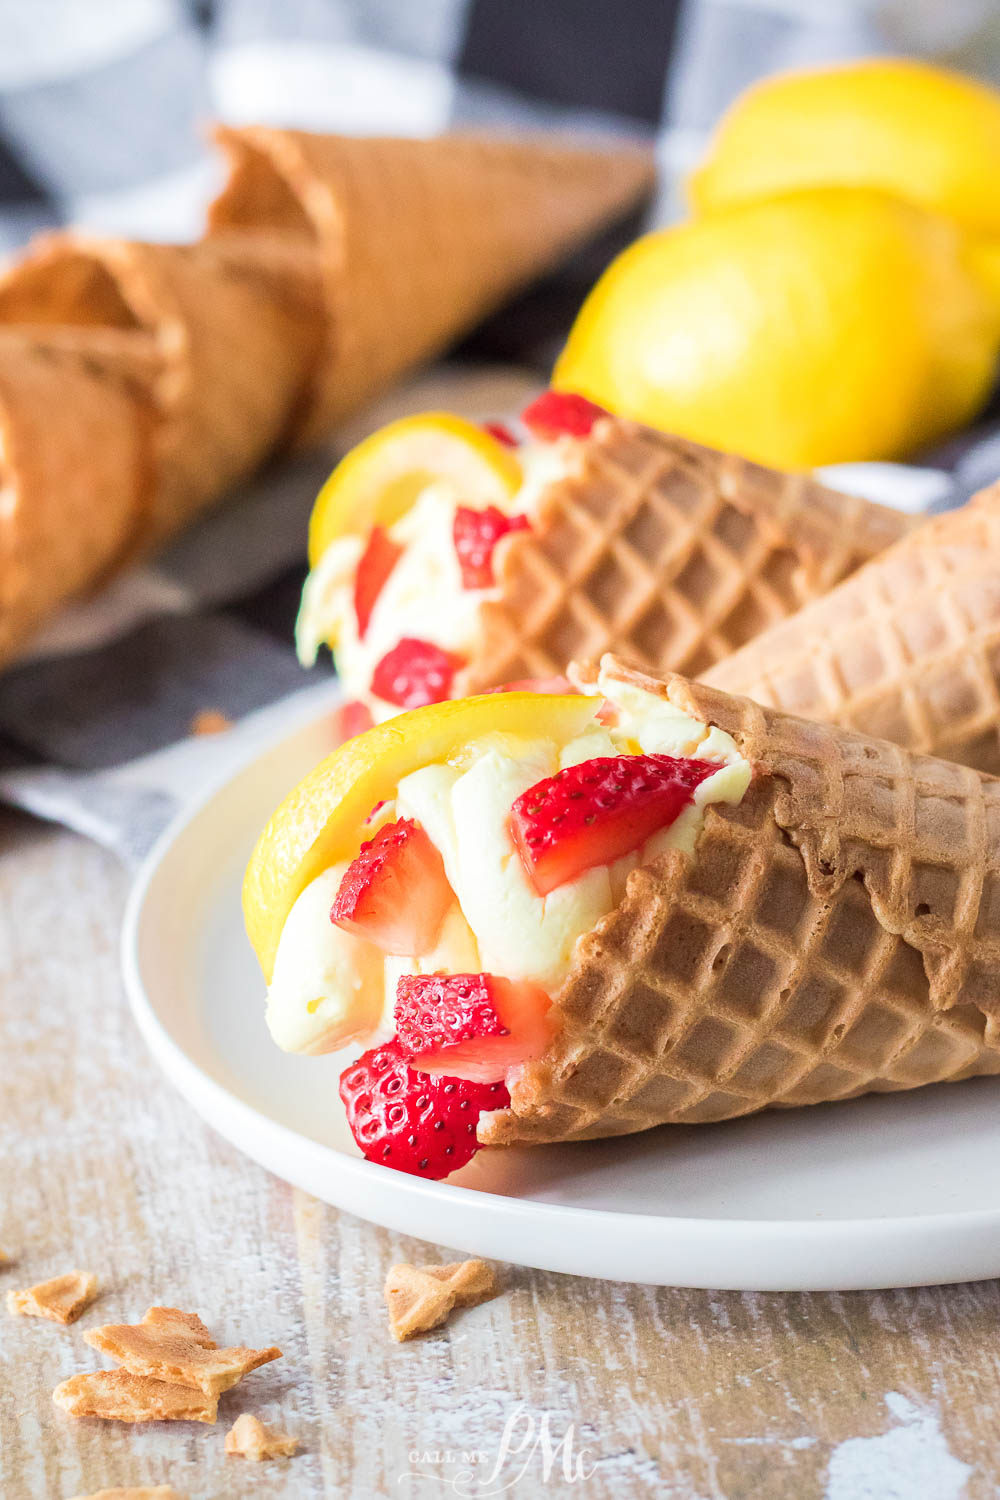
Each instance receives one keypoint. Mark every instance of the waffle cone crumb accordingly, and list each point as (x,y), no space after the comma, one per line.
(210,721)
(118,1396)
(175,1346)
(61,1300)
(422,1297)
(250,1438)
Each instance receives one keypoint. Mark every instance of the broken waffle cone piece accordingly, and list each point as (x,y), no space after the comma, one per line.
(174,1346)
(908,649)
(668,552)
(252,1439)
(61,1300)
(119,1396)
(833,934)
(423,1297)
(416,240)
(142,1492)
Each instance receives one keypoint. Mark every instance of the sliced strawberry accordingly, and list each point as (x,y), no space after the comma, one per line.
(414,673)
(593,813)
(471,1025)
(351,718)
(406,1120)
(537,685)
(561,413)
(501,432)
(377,561)
(395,894)
(476,533)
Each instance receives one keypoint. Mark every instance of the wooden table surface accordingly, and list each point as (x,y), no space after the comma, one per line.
(687,1394)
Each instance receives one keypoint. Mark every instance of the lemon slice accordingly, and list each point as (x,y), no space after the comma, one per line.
(319,822)
(380,479)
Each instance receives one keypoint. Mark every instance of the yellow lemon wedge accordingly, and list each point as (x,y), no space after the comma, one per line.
(319,822)
(378,481)
(829,325)
(924,133)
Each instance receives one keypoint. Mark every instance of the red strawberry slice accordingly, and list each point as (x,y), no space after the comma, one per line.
(471,1025)
(395,894)
(351,718)
(561,413)
(414,673)
(377,561)
(476,533)
(501,432)
(593,813)
(406,1120)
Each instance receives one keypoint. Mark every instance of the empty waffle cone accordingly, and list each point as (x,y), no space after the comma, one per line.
(836,933)
(907,649)
(416,240)
(75,484)
(669,552)
(228,331)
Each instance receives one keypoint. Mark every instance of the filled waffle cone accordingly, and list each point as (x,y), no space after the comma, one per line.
(223,333)
(669,552)
(415,240)
(908,649)
(75,482)
(836,933)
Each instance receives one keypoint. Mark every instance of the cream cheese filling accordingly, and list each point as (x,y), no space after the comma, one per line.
(423,597)
(499,923)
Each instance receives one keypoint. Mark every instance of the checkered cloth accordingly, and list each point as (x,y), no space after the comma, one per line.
(102,109)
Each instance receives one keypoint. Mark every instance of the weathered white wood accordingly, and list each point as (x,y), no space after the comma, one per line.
(695,1395)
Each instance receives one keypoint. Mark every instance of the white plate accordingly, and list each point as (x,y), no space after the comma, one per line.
(884,1191)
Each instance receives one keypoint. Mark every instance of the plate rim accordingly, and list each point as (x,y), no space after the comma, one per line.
(214,1102)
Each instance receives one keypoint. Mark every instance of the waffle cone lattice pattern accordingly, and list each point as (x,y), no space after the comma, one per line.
(907,649)
(835,934)
(669,552)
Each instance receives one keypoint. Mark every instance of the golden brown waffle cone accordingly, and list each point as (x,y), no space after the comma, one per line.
(74,477)
(669,552)
(908,649)
(417,240)
(231,328)
(837,933)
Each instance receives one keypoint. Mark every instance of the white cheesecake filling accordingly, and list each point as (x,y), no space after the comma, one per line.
(499,924)
(423,597)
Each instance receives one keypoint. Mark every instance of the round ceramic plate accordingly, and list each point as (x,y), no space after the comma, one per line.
(886,1191)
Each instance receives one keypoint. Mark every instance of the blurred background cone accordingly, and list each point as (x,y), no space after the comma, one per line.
(416,240)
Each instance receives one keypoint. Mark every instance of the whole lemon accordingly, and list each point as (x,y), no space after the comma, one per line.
(824,326)
(924,133)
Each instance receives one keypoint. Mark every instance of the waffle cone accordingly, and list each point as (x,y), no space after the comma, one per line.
(416,240)
(908,649)
(75,483)
(669,552)
(231,330)
(837,933)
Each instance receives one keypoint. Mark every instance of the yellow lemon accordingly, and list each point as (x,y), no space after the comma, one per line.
(318,822)
(379,480)
(828,325)
(924,133)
